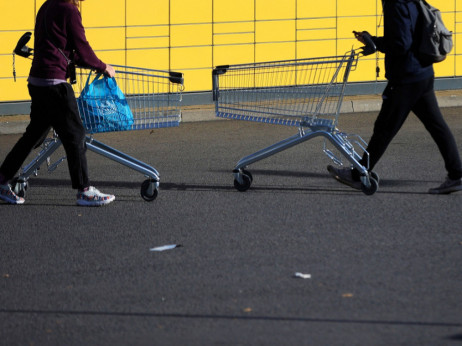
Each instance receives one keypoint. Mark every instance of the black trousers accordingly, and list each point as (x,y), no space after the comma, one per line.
(52,106)
(398,102)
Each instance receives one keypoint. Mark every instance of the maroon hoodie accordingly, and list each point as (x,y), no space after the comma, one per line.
(59,27)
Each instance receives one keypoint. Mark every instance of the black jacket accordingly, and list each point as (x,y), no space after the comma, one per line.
(401,21)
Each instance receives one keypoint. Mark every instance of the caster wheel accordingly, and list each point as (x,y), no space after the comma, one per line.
(371,189)
(246,182)
(375,176)
(247,173)
(20,187)
(149,190)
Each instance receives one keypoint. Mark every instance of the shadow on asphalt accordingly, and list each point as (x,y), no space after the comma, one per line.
(238,317)
(228,187)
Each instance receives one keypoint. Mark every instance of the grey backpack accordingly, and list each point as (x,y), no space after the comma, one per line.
(435,40)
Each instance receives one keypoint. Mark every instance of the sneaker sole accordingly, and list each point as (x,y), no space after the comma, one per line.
(84,203)
(12,201)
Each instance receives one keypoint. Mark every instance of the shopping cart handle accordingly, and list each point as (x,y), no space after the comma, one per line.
(21,48)
(176,77)
(220,69)
(370,47)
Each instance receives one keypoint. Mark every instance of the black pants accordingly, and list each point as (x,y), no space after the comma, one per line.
(398,102)
(52,106)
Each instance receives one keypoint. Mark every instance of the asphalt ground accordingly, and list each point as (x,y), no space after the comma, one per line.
(383,269)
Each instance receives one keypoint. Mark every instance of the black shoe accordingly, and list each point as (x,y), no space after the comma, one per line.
(345,176)
(449,186)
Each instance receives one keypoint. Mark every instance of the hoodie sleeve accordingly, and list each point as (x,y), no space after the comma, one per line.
(397,40)
(84,54)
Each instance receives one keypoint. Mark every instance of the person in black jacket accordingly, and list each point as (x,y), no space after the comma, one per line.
(409,88)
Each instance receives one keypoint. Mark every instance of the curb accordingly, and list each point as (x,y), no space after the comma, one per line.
(16,124)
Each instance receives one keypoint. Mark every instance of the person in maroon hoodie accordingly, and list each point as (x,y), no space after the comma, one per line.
(59,41)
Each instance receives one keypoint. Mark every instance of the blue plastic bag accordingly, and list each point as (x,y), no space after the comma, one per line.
(103,107)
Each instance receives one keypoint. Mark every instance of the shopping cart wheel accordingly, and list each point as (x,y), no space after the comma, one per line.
(149,190)
(247,173)
(246,181)
(371,189)
(375,176)
(20,187)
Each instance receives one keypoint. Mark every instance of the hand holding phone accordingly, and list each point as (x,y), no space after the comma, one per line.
(359,36)
(365,38)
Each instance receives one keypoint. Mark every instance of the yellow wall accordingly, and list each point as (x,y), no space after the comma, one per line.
(194,36)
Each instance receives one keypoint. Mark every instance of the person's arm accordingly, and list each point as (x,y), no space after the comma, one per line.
(378,41)
(84,54)
(397,38)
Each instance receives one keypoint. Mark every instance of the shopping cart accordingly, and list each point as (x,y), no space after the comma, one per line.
(154,98)
(306,93)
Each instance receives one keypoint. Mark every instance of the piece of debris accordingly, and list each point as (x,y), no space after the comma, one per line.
(165,247)
(302,276)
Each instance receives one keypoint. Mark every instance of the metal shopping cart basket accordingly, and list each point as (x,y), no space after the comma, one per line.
(306,93)
(154,98)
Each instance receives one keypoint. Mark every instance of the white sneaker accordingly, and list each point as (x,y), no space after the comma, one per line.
(93,198)
(7,195)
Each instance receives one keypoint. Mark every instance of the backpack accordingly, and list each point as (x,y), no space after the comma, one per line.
(435,40)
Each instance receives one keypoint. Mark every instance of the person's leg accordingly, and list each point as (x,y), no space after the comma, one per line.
(396,106)
(3,180)
(38,127)
(429,113)
(68,125)
(35,132)
(70,130)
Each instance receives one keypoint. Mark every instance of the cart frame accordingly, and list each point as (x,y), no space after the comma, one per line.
(154,97)
(306,93)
